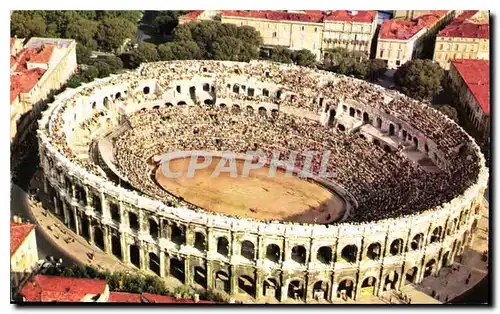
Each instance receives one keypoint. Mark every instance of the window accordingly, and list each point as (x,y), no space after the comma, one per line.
(315,29)
(381,53)
(302,28)
(398,62)
(441,47)
(274,34)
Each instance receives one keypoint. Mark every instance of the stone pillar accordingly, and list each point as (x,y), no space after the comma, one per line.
(105,207)
(187,271)
(107,239)
(91,233)
(284,290)
(233,279)
(125,249)
(162,264)
(259,284)
(209,275)
(56,205)
(189,236)
(143,256)
(77,221)
(88,196)
(167,263)
(66,214)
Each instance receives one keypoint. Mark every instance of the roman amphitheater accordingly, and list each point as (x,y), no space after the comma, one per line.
(402,203)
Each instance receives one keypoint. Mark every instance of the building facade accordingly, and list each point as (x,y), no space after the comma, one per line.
(42,66)
(23,251)
(467,37)
(403,40)
(470,81)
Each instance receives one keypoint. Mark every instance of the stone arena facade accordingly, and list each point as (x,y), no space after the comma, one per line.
(235,255)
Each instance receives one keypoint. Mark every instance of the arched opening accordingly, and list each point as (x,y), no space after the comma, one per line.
(429,268)
(379,123)
(105,102)
(374,251)
(178,234)
(366,117)
(118,95)
(133,221)
(436,235)
(362,136)
(474,226)
(247,250)
(236,89)
(341,127)
(324,255)
(222,281)
(274,113)
(396,247)
(368,286)
(404,134)
(426,147)
(208,102)
(344,108)
(416,242)
(249,109)
(192,92)
(154,263)
(411,275)
(135,257)
(352,112)
(358,113)
(181,103)
(331,117)
(116,247)
(391,281)
(299,254)
(349,253)
(223,246)
(199,241)
(279,93)
(146,90)
(265,93)
(200,276)
(96,202)
(246,284)
(115,212)
(94,105)
(273,253)
(445,260)
(415,141)
(296,290)
(262,111)
(168,104)
(85,228)
(99,238)
(156,107)
(345,289)
(391,129)
(387,149)
(72,223)
(206,87)
(153,228)
(251,92)
(222,106)
(376,142)
(320,290)
(235,109)
(177,269)
(272,288)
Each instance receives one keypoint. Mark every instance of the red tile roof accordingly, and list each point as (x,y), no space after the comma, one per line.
(43,288)
(124,297)
(24,82)
(18,232)
(346,16)
(404,29)
(461,27)
(155,298)
(275,15)
(192,15)
(44,55)
(476,74)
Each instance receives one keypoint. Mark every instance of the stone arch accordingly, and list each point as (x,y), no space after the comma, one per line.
(391,281)
(320,290)
(208,102)
(387,149)
(296,289)
(105,102)
(376,142)
(178,234)
(391,129)
(325,255)
(222,106)
(430,268)
(99,237)
(251,92)
(249,109)
(411,275)
(358,113)
(153,228)
(236,88)
(206,87)
(352,112)
(445,259)
(274,113)
(299,254)
(374,251)
(156,107)
(404,134)
(223,246)
(135,256)
(177,269)
(379,123)
(273,253)
(235,109)
(366,117)
(415,141)
(368,285)
(341,127)
(247,285)
(85,228)
(199,241)
(200,276)
(436,234)
(94,105)
(262,111)
(146,90)
(115,212)
(116,246)
(346,288)
(426,147)
(396,247)
(265,92)
(154,263)
(474,226)
(133,221)
(181,103)
(118,95)
(222,281)
(331,117)
(248,250)
(272,288)
(416,242)
(168,104)
(72,222)
(362,136)
(349,253)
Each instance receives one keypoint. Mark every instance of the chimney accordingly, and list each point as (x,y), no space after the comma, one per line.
(196,298)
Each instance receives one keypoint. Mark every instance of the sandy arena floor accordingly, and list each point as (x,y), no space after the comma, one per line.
(258,196)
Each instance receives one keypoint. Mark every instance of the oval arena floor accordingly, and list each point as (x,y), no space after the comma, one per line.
(258,196)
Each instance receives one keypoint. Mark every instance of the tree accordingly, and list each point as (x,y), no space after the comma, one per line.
(183,32)
(360,69)
(280,54)
(83,31)
(113,62)
(103,68)
(226,48)
(74,82)
(376,69)
(145,52)
(25,25)
(166,21)
(179,50)
(304,57)
(447,110)
(249,34)
(112,33)
(420,79)
(89,73)
(83,54)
